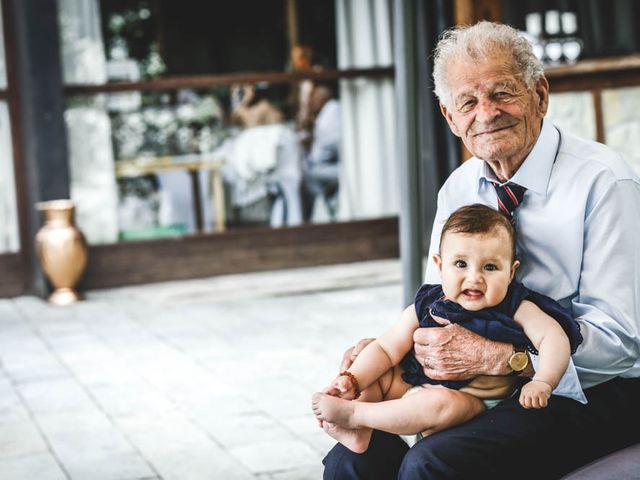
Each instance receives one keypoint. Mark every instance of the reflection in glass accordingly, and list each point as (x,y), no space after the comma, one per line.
(223,158)
(149,164)
(170,38)
(9,239)
(154,164)
(207,160)
(130,31)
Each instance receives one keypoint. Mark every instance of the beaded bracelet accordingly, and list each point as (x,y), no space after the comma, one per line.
(354,381)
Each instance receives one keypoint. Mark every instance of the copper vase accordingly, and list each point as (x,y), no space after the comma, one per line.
(62,250)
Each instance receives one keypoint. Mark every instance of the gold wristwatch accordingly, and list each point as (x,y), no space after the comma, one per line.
(518,360)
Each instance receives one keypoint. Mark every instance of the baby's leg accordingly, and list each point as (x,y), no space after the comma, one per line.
(433,409)
(334,411)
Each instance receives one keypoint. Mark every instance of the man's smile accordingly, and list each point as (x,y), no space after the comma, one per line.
(492,130)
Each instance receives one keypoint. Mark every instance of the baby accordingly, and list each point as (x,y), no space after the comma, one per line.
(477,266)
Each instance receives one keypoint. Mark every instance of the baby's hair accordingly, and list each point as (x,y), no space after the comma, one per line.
(478,218)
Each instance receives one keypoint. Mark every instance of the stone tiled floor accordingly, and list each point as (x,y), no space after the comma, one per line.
(202,379)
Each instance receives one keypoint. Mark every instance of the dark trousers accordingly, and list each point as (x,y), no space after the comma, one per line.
(507,441)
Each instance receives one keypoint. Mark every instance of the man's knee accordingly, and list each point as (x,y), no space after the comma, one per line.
(341,462)
(430,458)
(380,461)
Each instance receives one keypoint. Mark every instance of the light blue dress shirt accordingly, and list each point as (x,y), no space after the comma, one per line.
(578,228)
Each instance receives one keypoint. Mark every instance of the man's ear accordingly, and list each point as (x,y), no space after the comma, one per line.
(437,259)
(542,91)
(447,115)
(514,267)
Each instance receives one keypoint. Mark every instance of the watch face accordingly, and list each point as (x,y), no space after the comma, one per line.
(518,361)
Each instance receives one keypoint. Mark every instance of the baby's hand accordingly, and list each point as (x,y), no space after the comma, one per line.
(535,394)
(439,320)
(343,387)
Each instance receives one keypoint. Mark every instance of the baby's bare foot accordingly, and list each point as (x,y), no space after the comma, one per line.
(333,409)
(356,440)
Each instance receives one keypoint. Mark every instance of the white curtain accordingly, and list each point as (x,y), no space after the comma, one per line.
(93,184)
(3,67)
(369,184)
(9,240)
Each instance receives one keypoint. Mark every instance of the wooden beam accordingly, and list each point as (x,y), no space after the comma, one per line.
(207,81)
(593,74)
(238,251)
(291,9)
(596,95)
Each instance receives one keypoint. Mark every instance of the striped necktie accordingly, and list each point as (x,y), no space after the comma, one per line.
(509,197)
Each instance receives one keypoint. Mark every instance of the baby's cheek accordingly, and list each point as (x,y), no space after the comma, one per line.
(495,296)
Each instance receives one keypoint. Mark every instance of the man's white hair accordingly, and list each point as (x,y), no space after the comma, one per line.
(479,42)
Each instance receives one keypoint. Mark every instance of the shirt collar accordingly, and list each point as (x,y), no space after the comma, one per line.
(535,171)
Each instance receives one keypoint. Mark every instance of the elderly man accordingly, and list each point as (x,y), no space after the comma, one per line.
(576,207)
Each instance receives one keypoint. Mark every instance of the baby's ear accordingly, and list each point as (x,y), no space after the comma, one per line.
(437,260)
(514,267)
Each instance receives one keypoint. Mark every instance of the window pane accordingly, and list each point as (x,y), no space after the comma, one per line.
(9,240)
(144,39)
(187,161)
(149,164)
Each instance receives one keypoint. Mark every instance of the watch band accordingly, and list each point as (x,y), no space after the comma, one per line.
(519,360)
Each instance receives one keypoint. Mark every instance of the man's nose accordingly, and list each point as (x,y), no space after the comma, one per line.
(486,110)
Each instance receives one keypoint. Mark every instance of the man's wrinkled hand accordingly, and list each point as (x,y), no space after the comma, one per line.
(352,352)
(454,353)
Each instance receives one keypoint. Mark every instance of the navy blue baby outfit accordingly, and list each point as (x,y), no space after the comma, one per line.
(495,323)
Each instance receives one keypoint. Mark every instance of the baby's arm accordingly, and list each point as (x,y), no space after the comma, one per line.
(553,353)
(379,356)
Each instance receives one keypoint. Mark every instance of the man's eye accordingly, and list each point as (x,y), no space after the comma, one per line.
(460,264)
(467,106)
(490,267)
(502,95)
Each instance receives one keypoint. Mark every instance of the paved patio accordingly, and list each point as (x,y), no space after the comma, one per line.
(201,379)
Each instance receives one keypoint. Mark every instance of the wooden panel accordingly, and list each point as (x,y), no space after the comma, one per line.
(240,251)
(19,266)
(595,74)
(468,12)
(207,81)
(596,96)
(12,275)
